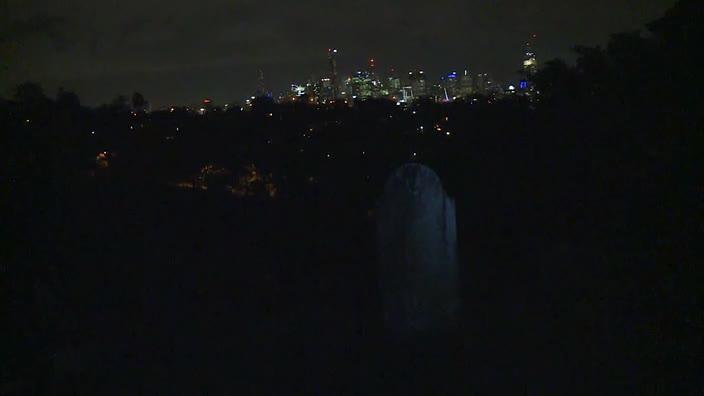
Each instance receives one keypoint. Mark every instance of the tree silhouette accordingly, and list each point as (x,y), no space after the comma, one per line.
(138,101)
(29,93)
(119,104)
(556,81)
(67,99)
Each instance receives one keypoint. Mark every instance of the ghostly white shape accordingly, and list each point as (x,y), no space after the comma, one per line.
(417,249)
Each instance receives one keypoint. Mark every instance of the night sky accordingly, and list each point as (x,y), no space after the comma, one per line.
(178,51)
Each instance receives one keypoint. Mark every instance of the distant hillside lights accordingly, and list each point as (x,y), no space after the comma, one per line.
(248,182)
(252,182)
(102,159)
(206,106)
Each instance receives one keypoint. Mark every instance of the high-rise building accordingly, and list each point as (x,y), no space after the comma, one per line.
(484,85)
(326,89)
(465,84)
(261,86)
(494,90)
(406,94)
(361,85)
(334,84)
(298,90)
(450,85)
(439,91)
(393,83)
(366,84)
(530,63)
(378,88)
(417,80)
(530,67)
(481,83)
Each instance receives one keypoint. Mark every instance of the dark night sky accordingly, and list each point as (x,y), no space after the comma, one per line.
(178,51)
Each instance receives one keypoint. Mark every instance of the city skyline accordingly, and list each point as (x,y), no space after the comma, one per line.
(183,52)
(383,82)
(371,82)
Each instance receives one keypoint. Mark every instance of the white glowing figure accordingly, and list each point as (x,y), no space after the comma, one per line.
(417,245)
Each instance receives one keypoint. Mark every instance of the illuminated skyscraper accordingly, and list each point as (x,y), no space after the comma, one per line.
(438,91)
(406,94)
(481,83)
(261,86)
(377,87)
(417,80)
(465,84)
(394,83)
(361,85)
(450,85)
(530,63)
(298,90)
(530,67)
(484,85)
(366,84)
(326,90)
(332,59)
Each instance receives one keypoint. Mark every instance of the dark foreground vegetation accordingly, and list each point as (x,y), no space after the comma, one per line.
(233,252)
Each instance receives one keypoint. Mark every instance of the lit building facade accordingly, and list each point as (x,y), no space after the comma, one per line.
(333,81)
(481,83)
(530,67)
(465,88)
(451,85)
(417,82)
(326,90)
(530,62)
(361,85)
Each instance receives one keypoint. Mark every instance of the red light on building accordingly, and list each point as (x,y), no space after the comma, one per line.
(207,101)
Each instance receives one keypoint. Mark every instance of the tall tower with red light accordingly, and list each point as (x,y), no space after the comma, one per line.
(332,60)
(530,63)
